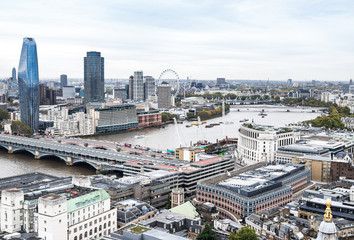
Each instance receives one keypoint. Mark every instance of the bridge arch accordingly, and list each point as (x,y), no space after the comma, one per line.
(4,146)
(20,150)
(42,156)
(85,162)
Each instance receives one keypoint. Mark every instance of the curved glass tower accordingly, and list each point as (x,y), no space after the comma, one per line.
(29,84)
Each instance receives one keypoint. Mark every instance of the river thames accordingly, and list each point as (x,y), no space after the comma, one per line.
(160,138)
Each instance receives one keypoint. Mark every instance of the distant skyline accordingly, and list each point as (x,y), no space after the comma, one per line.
(235,39)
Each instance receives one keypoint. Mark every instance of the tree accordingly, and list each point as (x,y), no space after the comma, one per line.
(22,128)
(207,233)
(168,203)
(4,115)
(244,233)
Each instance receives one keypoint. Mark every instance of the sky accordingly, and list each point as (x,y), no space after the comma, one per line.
(202,39)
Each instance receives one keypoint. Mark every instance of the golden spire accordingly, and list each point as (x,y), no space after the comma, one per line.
(328,212)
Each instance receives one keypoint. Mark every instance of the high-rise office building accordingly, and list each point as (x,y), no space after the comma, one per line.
(63,80)
(47,96)
(29,84)
(130,87)
(138,86)
(164,99)
(13,73)
(149,86)
(94,77)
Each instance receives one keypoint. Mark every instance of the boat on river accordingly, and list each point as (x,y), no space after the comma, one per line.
(262,113)
(139,136)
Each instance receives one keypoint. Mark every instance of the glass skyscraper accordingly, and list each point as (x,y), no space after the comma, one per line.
(28,82)
(93,77)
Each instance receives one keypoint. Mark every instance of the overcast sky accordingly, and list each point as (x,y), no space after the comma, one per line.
(236,39)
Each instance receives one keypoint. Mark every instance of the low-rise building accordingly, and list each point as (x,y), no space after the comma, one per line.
(255,188)
(188,174)
(149,119)
(187,153)
(132,211)
(325,169)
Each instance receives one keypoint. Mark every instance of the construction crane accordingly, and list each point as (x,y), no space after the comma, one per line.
(7,128)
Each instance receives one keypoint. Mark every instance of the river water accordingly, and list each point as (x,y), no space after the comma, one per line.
(173,136)
(170,137)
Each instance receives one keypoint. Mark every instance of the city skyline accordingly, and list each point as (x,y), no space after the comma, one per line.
(204,40)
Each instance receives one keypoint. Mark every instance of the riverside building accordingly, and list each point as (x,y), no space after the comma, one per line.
(254,189)
(115,118)
(259,143)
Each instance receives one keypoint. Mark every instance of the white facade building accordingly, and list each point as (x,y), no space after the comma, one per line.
(348,122)
(11,210)
(52,217)
(88,216)
(68,125)
(258,143)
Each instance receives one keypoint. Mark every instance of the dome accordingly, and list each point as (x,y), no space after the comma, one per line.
(327,228)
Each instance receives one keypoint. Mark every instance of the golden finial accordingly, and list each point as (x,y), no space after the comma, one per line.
(328,212)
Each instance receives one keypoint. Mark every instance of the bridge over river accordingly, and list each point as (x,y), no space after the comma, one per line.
(100,159)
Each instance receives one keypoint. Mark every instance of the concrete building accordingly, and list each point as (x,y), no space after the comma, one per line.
(254,189)
(164,96)
(68,92)
(115,118)
(151,187)
(175,222)
(220,81)
(94,77)
(188,173)
(187,153)
(132,211)
(137,86)
(66,124)
(177,197)
(348,122)
(63,80)
(149,87)
(11,210)
(139,232)
(259,143)
(149,119)
(79,214)
(326,169)
(47,96)
(120,93)
(52,217)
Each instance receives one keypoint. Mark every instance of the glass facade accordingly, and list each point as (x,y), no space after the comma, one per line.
(29,84)
(93,77)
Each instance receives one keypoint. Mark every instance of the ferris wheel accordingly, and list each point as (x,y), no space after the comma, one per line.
(172,78)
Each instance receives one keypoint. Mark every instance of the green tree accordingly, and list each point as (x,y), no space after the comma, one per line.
(167,116)
(244,233)
(4,115)
(22,128)
(207,233)
(168,203)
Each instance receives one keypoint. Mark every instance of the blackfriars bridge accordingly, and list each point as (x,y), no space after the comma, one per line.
(100,159)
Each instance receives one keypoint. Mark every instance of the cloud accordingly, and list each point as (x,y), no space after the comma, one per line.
(204,39)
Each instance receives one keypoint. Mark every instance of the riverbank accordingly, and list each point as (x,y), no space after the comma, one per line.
(168,137)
